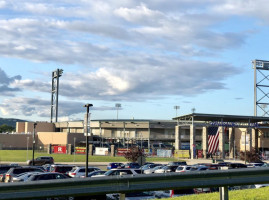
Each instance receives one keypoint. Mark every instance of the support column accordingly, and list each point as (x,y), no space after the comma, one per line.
(255,137)
(231,142)
(192,142)
(250,138)
(177,137)
(222,142)
(205,141)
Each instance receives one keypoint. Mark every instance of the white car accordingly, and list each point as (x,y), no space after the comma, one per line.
(117,172)
(166,169)
(185,168)
(23,177)
(80,171)
(152,170)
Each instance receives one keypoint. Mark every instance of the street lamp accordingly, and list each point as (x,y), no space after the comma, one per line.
(33,163)
(118,105)
(176,108)
(86,122)
(193,110)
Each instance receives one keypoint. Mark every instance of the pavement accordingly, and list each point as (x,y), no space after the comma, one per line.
(189,162)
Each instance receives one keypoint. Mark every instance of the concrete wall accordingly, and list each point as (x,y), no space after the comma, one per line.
(28,127)
(15,141)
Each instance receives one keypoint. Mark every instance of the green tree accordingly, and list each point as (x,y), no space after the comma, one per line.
(5,128)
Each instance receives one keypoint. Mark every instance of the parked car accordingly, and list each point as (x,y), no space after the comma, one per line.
(64,169)
(3,171)
(80,171)
(23,177)
(199,168)
(259,164)
(47,176)
(93,173)
(166,169)
(13,172)
(185,168)
(236,165)
(115,165)
(115,172)
(149,166)
(41,160)
(177,163)
(152,170)
(132,165)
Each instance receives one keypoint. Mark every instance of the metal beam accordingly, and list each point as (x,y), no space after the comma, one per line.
(128,183)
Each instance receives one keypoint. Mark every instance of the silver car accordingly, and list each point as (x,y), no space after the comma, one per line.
(80,171)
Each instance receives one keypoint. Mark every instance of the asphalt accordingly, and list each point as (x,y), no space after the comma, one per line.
(189,162)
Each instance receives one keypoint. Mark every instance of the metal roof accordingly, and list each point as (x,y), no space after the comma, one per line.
(220,117)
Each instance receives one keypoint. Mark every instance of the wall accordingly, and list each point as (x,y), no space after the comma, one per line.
(15,141)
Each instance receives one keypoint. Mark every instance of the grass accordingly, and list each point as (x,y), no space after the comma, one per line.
(247,194)
(22,156)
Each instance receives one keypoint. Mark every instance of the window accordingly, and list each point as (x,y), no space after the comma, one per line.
(266,134)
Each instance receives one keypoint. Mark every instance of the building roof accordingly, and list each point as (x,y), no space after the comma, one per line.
(220,117)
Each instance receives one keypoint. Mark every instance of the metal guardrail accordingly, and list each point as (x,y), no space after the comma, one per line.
(128,183)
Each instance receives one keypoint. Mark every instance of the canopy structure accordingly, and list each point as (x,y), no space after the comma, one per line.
(229,126)
(201,119)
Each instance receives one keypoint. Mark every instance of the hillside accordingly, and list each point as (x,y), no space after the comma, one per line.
(10,121)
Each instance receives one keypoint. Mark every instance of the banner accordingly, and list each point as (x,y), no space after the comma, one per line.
(164,153)
(101,151)
(182,154)
(121,151)
(59,149)
(80,150)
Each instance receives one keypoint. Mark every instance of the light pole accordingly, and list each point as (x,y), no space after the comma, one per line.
(118,105)
(87,136)
(75,148)
(176,108)
(193,110)
(27,147)
(33,161)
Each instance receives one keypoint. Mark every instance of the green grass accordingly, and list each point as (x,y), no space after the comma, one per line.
(21,156)
(248,194)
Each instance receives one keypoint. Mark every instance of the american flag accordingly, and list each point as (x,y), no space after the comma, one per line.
(213,139)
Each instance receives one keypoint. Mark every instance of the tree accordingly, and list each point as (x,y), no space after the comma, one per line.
(251,156)
(5,128)
(134,153)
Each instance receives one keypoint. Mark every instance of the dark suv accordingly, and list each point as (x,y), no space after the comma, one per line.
(41,160)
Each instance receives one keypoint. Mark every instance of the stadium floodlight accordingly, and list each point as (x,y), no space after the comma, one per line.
(118,105)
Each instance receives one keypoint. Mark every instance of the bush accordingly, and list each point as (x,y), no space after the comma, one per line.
(251,156)
(134,153)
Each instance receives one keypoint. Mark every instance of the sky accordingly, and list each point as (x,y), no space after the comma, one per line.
(149,56)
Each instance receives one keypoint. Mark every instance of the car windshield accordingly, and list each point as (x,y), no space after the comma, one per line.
(108,172)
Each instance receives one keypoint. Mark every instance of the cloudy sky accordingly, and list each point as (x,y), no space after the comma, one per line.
(149,56)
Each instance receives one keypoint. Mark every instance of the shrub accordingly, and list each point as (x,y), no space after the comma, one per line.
(251,156)
(134,153)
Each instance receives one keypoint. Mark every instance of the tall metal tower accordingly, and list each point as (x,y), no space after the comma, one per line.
(54,94)
(261,87)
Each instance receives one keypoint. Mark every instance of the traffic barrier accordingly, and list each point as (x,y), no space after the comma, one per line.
(133,183)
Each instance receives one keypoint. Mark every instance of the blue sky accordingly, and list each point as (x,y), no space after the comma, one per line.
(149,56)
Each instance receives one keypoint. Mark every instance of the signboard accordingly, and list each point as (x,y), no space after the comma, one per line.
(147,151)
(59,149)
(80,150)
(121,151)
(164,153)
(101,151)
(182,154)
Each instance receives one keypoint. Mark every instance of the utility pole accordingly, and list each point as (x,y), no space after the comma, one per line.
(33,159)
(86,130)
